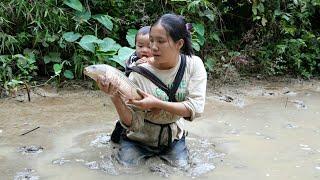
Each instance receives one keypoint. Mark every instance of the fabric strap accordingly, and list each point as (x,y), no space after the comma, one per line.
(155,80)
(169,91)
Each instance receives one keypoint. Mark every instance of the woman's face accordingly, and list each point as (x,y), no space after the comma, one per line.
(163,48)
(142,46)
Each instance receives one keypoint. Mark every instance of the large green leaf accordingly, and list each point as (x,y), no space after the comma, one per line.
(52,57)
(106,45)
(199,28)
(131,37)
(104,20)
(74,4)
(82,16)
(87,42)
(195,45)
(123,54)
(71,36)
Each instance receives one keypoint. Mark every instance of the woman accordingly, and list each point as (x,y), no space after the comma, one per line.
(154,125)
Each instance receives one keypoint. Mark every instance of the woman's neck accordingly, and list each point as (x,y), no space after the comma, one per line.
(168,64)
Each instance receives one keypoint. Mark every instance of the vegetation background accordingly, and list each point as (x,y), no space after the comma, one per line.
(56,39)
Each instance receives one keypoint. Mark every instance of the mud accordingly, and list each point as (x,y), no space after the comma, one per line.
(251,130)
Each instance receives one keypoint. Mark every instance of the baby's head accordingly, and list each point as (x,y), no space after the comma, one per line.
(142,42)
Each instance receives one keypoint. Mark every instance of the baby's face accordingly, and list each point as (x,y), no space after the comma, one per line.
(142,46)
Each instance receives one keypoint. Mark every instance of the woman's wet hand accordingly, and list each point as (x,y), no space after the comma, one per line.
(109,85)
(148,101)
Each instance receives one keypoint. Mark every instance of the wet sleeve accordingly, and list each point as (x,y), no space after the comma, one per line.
(195,99)
(138,116)
(137,120)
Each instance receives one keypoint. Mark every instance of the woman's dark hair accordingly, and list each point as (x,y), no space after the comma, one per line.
(178,29)
(143,31)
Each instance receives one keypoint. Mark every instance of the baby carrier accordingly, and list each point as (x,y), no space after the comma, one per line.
(116,134)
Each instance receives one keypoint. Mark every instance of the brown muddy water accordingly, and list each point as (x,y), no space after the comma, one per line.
(253,130)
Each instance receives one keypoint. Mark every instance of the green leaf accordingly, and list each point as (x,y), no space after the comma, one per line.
(199,28)
(13,83)
(193,4)
(57,69)
(286,17)
(209,64)
(71,36)
(131,37)
(254,10)
(289,30)
(234,53)
(74,4)
(215,36)
(82,16)
(105,20)
(281,48)
(61,43)
(108,45)
(277,13)
(68,74)
(260,7)
(123,54)
(264,21)
(87,42)
(195,45)
(256,18)
(52,57)
(210,15)
(200,40)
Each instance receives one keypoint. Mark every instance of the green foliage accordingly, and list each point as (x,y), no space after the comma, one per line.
(291,43)
(131,37)
(59,38)
(17,68)
(74,4)
(104,20)
(71,36)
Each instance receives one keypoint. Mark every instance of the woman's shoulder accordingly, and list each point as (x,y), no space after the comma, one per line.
(193,58)
(194,61)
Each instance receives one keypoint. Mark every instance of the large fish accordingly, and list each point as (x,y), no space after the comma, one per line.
(127,88)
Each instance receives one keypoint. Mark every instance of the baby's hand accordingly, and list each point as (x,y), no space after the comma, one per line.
(143,60)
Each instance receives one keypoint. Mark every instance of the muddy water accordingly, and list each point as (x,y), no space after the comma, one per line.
(257,130)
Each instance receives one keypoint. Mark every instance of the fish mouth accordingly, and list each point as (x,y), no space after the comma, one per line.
(85,71)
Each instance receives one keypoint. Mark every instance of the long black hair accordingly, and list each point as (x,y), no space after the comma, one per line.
(177,28)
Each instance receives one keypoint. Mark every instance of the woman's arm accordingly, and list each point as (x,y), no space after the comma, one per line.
(112,89)
(149,102)
(122,109)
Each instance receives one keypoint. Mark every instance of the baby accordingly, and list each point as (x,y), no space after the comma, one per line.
(143,51)
(141,55)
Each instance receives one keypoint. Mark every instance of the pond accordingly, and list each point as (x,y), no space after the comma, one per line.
(254,130)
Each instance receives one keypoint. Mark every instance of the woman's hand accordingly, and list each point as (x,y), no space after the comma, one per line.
(148,101)
(109,85)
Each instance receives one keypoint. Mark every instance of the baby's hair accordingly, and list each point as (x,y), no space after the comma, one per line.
(143,31)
